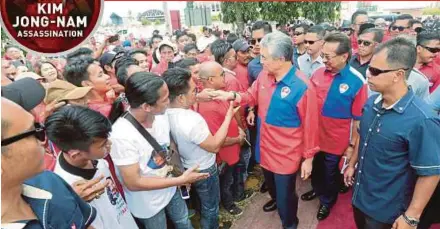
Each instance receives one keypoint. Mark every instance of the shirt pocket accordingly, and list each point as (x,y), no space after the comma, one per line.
(390,147)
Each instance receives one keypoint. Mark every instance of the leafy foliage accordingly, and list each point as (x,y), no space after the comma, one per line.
(281,12)
(431,11)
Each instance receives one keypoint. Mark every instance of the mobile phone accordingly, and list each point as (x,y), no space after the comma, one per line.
(184,192)
(113,38)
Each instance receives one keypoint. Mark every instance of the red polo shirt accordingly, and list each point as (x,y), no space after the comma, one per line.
(432,71)
(437,60)
(287,120)
(354,43)
(232,84)
(341,98)
(214,113)
(241,72)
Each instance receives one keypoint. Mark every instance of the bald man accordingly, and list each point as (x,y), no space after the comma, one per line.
(26,189)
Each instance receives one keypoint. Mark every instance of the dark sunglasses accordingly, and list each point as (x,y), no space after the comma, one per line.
(375,71)
(254,41)
(365,43)
(432,50)
(298,34)
(39,132)
(400,28)
(345,29)
(310,42)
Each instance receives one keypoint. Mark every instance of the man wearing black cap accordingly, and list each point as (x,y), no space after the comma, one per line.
(107,62)
(27,92)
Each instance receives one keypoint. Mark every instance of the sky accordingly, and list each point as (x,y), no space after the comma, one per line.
(121,7)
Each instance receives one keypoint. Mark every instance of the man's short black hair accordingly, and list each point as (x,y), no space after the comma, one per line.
(319,30)
(83,51)
(378,34)
(189,47)
(401,53)
(404,17)
(413,22)
(186,63)
(192,36)
(302,25)
(356,14)
(344,43)
(219,48)
(231,38)
(122,65)
(76,71)
(425,37)
(177,80)
(262,25)
(76,128)
(133,52)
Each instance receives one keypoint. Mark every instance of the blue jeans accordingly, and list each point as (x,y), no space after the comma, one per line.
(232,184)
(246,153)
(176,211)
(208,191)
(282,189)
(326,178)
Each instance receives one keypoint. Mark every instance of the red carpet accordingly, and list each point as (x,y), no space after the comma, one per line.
(342,215)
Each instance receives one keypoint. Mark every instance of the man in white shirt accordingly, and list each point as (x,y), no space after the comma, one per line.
(197,146)
(82,135)
(150,191)
(312,60)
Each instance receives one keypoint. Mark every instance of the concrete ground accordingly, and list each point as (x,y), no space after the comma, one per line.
(255,218)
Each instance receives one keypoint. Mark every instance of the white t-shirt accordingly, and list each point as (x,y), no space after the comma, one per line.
(112,211)
(130,147)
(189,129)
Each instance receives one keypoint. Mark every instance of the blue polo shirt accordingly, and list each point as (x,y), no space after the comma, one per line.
(54,203)
(254,69)
(397,144)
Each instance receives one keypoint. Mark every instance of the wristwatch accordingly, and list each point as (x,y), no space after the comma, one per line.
(413,222)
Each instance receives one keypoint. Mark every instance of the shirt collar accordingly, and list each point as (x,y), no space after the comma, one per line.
(35,193)
(86,174)
(13,225)
(288,79)
(319,59)
(399,106)
(344,71)
(229,71)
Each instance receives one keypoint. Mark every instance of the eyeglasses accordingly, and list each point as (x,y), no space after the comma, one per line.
(375,71)
(431,50)
(254,41)
(346,29)
(38,132)
(326,57)
(400,28)
(364,43)
(310,42)
(298,33)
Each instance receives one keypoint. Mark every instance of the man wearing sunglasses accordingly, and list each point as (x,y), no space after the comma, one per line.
(259,30)
(298,42)
(398,162)
(312,60)
(428,47)
(27,189)
(401,25)
(368,40)
(358,18)
(341,92)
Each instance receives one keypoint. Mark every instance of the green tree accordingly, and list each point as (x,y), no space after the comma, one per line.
(239,13)
(431,11)
(320,11)
(145,21)
(281,12)
(157,22)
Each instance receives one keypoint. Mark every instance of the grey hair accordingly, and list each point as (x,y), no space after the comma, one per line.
(279,45)
(319,30)
(401,53)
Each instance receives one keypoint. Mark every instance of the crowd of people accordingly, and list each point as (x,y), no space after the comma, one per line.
(143,134)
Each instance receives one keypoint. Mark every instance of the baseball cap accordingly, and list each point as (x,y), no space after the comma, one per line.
(27,92)
(60,90)
(108,57)
(240,45)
